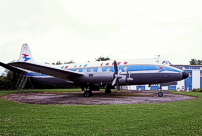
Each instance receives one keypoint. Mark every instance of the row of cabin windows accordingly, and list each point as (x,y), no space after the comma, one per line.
(123,68)
(100,69)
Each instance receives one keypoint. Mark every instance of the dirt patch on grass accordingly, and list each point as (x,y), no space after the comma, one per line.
(99,98)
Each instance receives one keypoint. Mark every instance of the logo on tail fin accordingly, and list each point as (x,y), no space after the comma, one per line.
(25,57)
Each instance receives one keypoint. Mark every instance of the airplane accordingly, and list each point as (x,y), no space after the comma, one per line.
(90,76)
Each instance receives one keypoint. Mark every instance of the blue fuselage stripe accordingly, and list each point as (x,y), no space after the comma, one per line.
(111,69)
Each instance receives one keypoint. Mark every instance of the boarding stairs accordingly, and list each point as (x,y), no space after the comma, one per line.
(22,81)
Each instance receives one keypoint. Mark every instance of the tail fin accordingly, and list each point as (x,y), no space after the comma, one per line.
(25,54)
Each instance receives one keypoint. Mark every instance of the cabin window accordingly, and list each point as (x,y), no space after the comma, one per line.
(95,69)
(88,69)
(104,69)
(73,69)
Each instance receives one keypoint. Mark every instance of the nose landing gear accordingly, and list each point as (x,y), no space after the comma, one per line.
(160,94)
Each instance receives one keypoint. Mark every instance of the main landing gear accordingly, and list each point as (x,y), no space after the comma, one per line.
(108,90)
(87,92)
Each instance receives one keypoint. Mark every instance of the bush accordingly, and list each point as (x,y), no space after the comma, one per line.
(197,90)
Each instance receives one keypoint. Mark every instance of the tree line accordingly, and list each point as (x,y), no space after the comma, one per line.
(195,62)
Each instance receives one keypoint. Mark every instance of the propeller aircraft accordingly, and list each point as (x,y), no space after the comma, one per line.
(90,76)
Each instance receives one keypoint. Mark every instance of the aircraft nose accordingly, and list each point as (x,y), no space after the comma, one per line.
(184,75)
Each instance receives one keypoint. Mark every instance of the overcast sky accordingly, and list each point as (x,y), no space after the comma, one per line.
(81,30)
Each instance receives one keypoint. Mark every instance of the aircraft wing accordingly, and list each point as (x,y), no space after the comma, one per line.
(11,68)
(48,70)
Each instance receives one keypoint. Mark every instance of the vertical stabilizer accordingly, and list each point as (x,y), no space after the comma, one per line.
(25,54)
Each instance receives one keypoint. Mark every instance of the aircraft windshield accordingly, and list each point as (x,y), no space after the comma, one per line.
(165,62)
(169,63)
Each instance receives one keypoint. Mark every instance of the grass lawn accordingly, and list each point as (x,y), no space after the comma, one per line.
(175,118)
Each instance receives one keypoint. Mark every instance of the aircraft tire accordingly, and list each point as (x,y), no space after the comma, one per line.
(160,94)
(87,94)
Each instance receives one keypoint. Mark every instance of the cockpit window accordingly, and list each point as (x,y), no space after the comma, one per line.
(169,63)
(166,63)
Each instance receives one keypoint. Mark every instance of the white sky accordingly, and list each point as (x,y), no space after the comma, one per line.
(81,30)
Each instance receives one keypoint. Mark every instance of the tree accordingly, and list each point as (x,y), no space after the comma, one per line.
(69,62)
(101,58)
(9,81)
(195,62)
(58,63)
(4,83)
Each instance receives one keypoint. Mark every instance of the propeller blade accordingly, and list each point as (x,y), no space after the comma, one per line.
(117,85)
(115,67)
(114,81)
(119,72)
(117,76)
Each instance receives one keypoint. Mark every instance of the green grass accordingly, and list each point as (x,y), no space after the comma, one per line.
(175,118)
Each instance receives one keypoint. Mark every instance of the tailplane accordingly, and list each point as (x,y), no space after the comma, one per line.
(25,54)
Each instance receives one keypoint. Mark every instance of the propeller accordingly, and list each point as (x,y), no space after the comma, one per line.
(117,76)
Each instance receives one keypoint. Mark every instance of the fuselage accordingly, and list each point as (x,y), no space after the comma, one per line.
(141,71)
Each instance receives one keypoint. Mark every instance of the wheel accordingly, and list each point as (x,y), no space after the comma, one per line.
(160,94)
(87,94)
(107,91)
